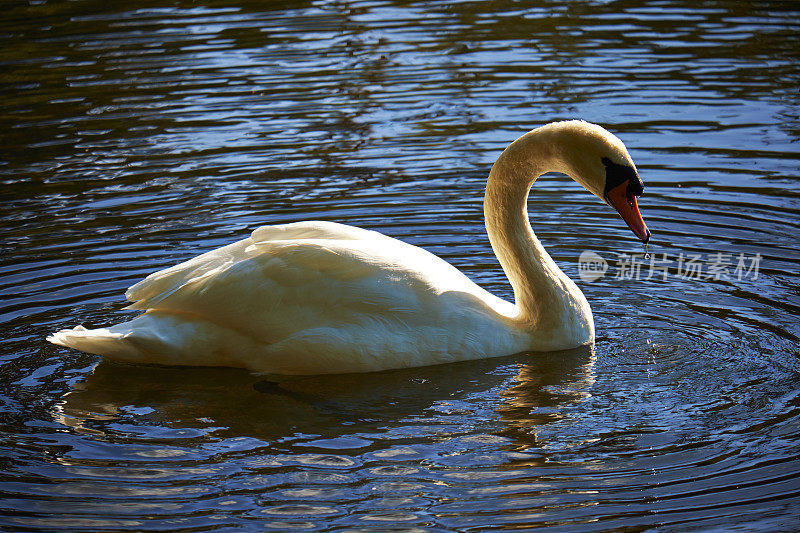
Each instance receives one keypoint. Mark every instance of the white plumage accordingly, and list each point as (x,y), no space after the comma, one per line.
(320,297)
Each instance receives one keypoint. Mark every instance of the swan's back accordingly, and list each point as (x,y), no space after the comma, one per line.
(307,298)
(161,284)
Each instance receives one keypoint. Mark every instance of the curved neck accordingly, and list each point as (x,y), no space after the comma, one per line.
(546,298)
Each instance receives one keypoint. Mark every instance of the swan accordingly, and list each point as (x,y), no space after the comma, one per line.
(322,298)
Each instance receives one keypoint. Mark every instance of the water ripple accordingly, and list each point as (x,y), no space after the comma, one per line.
(133,139)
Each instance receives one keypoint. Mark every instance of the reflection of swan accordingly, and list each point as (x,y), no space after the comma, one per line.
(119,399)
(317,297)
(541,392)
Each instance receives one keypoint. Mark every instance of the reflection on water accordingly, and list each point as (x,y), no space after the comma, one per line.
(305,438)
(133,137)
(232,402)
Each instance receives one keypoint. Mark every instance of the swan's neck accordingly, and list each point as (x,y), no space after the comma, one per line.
(548,302)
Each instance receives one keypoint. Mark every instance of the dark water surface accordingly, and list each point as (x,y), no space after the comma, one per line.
(134,137)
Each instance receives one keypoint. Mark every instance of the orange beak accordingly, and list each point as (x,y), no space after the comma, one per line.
(625,204)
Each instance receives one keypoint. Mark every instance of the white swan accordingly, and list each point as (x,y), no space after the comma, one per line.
(320,297)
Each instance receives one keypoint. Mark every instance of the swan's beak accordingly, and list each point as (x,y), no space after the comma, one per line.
(625,203)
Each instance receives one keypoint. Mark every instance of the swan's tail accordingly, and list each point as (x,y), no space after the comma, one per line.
(162,338)
(103,341)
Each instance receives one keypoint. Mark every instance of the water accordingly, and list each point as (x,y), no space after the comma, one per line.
(137,137)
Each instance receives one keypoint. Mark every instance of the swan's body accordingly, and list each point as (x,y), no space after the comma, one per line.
(320,297)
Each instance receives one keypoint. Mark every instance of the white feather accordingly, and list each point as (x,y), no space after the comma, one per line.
(320,297)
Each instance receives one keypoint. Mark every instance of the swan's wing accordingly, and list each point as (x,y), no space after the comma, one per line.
(275,288)
(159,285)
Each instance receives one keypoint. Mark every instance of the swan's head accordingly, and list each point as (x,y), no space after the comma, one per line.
(599,161)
